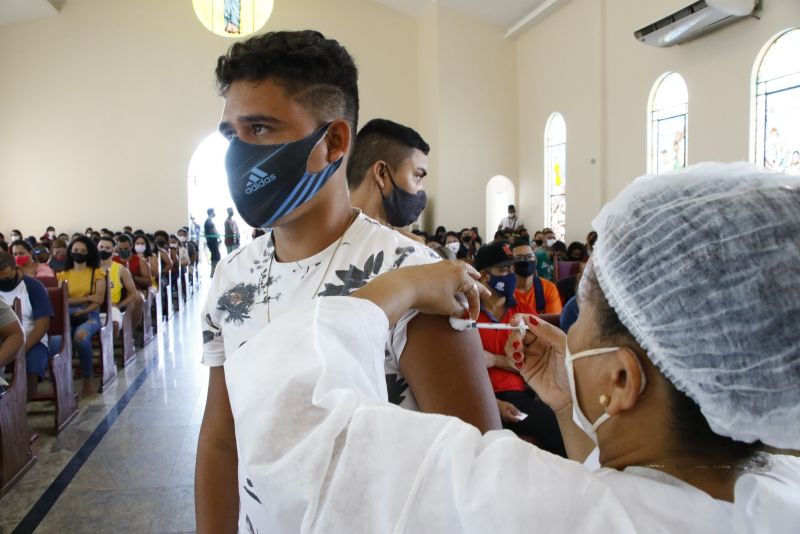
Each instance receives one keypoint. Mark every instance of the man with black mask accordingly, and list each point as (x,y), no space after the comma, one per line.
(36,313)
(385,173)
(291,110)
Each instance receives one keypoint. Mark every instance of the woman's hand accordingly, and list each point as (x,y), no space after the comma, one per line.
(444,288)
(543,347)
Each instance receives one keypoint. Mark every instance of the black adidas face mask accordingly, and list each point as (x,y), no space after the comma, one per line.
(268,182)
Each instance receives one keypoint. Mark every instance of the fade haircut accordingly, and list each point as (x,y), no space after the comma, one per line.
(382,139)
(315,71)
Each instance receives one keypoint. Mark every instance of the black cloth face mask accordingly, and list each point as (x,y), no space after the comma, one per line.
(403,208)
(525,268)
(268,182)
(8,284)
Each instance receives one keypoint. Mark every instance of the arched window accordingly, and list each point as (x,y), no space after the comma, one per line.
(669,121)
(500,192)
(555,173)
(777,104)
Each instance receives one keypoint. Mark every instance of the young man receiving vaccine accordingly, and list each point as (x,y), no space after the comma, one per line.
(291,108)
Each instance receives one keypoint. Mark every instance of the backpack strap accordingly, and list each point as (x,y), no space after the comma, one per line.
(538,290)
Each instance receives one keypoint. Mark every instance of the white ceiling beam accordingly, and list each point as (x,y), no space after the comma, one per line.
(534,17)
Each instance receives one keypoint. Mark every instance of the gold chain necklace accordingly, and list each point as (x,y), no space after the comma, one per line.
(327,268)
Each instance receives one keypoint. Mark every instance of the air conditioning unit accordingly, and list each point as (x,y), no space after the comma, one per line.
(695,20)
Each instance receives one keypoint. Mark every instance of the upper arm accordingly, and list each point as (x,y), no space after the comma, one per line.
(13,339)
(446,372)
(217,429)
(127,280)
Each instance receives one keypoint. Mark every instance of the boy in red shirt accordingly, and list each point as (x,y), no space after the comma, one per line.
(536,423)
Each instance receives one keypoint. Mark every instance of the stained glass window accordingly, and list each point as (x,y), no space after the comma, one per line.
(669,121)
(555,161)
(777,104)
(233,18)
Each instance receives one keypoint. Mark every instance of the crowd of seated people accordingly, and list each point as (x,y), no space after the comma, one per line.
(87,261)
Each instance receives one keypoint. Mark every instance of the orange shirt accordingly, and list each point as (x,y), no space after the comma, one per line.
(552,299)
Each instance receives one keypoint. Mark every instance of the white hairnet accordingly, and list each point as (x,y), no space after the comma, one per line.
(703,267)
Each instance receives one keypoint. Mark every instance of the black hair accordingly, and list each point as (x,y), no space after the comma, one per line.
(16,231)
(7,261)
(511,207)
(453,234)
(317,72)
(148,249)
(440,229)
(520,242)
(693,435)
(107,238)
(3,246)
(162,234)
(576,245)
(21,243)
(124,238)
(92,256)
(50,228)
(559,246)
(382,139)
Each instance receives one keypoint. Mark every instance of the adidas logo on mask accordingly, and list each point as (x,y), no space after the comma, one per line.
(257,180)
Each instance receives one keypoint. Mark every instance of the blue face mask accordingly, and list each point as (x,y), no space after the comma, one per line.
(268,182)
(505,286)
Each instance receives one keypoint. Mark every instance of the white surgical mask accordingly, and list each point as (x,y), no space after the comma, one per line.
(140,249)
(577,414)
(455,246)
(551,242)
(182,238)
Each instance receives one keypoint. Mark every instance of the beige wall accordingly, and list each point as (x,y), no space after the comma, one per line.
(584,61)
(114,95)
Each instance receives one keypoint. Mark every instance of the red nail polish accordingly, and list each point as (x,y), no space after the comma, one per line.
(517,344)
(533,320)
(518,356)
(518,365)
(465,315)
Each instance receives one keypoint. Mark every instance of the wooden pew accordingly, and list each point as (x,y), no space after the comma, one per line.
(158,306)
(178,297)
(108,368)
(16,455)
(63,394)
(165,293)
(48,281)
(126,331)
(147,318)
(566,268)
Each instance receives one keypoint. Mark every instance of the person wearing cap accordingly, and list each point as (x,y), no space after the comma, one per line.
(531,419)
(664,405)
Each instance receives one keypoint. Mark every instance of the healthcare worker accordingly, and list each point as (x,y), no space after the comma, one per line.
(683,362)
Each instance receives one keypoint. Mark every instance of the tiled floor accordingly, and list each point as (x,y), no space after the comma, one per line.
(139,476)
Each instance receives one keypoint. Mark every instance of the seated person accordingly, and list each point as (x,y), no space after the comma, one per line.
(49,236)
(559,250)
(494,262)
(87,292)
(385,172)
(12,338)
(138,267)
(119,277)
(148,260)
(576,252)
(537,294)
(58,256)
(36,313)
(23,255)
(453,242)
(661,461)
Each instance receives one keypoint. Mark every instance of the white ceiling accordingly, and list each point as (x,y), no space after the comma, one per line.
(502,13)
(15,11)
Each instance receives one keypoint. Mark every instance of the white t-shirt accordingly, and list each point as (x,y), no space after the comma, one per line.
(246,293)
(511,222)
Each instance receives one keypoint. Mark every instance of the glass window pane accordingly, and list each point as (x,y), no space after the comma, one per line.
(669,113)
(556,174)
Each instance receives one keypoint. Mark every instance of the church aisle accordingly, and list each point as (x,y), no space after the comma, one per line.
(126,463)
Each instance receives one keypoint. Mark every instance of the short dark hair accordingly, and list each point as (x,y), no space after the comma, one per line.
(107,238)
(7,261)
(124,238)
(92,258)
(520,242)
(317,72)
(382,139)
(511,207)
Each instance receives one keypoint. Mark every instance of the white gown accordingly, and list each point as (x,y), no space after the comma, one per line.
(325,452)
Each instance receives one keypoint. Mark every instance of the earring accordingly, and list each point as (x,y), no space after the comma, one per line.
(604,400)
